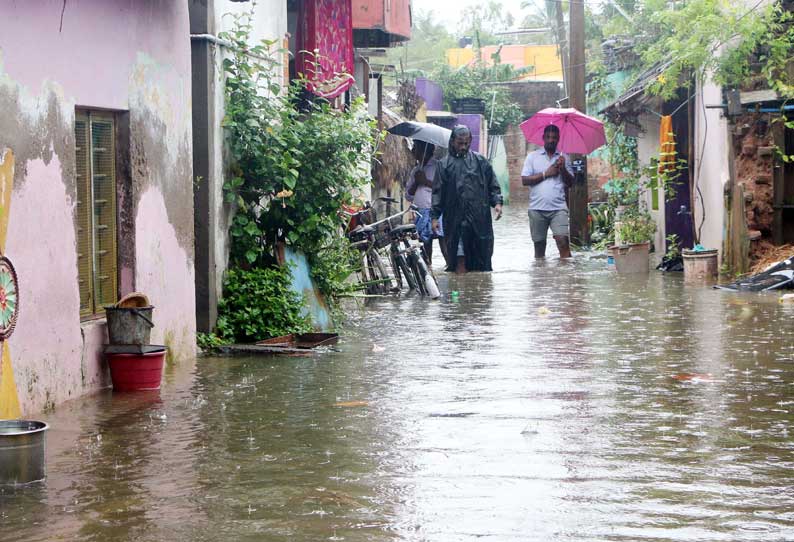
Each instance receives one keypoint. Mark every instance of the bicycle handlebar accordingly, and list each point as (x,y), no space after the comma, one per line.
(397,215)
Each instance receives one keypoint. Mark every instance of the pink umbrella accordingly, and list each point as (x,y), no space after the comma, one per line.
(579,134)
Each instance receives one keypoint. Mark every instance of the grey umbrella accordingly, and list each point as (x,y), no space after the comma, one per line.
(422,131)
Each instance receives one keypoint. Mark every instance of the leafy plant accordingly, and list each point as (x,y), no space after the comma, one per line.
(624,184)
(332,265)
(601,220)
(258,304)
(673,247)
(476,81)
(209,341)
(636,227)
(293,168)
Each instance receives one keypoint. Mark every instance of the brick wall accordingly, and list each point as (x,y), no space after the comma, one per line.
(532,96)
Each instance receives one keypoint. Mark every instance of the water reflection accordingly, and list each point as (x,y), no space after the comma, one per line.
(552,401)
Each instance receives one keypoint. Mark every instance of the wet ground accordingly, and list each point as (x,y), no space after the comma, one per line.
(553,401)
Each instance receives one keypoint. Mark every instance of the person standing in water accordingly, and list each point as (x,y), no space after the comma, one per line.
(464,191)
(548,173)
(419,191)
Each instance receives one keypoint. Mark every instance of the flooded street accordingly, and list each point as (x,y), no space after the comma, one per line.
(554,401)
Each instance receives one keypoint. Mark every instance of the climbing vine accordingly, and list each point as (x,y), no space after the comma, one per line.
(297,159)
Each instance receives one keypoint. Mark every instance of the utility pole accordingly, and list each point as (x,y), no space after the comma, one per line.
(577,99)
(562,43)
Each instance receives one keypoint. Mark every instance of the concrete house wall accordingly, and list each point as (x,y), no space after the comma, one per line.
(211,165)
(647,149)
(711,165)
(132,58)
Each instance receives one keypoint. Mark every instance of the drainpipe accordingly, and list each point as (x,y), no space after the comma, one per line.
(215,40)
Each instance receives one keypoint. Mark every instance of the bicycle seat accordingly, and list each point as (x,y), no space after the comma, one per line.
(405,228)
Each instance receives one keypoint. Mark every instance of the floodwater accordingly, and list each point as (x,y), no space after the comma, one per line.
(554,401)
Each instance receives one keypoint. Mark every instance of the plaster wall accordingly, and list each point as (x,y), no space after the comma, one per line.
(647,148)
(269,23)
(711,166)
(131,57)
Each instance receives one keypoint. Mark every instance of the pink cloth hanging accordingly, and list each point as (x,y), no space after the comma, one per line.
(325,46)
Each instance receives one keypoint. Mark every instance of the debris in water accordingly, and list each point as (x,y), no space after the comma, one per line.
(376,348)
(694,377)
(544,311)
(786,298)
(352,404)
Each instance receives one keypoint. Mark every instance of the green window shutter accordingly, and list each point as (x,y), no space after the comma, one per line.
(83,210)
(103,177)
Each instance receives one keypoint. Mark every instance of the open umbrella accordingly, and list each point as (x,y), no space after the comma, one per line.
(422,131)
(579,134)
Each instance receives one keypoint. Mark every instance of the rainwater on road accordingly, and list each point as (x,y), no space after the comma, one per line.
(552,401)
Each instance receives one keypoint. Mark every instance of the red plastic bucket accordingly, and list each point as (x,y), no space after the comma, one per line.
(134,372)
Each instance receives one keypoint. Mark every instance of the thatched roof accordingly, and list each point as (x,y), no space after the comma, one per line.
(395,161)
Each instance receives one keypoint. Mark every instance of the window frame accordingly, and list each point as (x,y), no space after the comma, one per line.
(90,116)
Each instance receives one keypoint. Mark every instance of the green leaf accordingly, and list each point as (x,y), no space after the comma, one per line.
(252,229)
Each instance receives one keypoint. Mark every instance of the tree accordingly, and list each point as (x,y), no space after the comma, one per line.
(427,46)
(482,22)
(475,81)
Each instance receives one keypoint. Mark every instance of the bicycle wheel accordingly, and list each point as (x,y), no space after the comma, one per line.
(367,280)
(395,266)
(429,282)
(381,281)
(406,271)
(413,259)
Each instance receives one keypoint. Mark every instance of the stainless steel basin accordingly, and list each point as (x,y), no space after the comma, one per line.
(22,451)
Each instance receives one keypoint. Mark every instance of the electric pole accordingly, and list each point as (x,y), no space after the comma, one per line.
(577,99)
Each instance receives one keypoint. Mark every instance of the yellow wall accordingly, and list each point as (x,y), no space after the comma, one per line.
(543,58)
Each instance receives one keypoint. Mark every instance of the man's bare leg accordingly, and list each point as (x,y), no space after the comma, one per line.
(540,249)
(563,245)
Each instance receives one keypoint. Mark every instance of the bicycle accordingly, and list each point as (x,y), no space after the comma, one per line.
(412,260)
(406,253)
(372,273)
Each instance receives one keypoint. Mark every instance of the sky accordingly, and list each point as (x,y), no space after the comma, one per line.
(448,11)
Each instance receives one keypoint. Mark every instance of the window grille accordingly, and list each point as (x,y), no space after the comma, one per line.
(95,164)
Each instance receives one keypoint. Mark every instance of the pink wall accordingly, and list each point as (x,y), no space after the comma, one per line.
(372,14)
(88,50)
(126,55)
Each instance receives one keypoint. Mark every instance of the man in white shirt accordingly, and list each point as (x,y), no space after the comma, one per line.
(548,172)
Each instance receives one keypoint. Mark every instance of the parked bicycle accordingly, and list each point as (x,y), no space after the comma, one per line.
(409,262)
(363,237)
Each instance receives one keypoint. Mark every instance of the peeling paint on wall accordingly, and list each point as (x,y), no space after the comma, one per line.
(47,342)
(166,275)
(144,54)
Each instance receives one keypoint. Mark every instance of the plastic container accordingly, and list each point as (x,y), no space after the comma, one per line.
(135,372)
(700,267)
(129,325)
(631,259)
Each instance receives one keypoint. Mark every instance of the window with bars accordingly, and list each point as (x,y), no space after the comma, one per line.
(95,154)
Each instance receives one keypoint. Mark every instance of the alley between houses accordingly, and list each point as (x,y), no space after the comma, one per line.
(553,401)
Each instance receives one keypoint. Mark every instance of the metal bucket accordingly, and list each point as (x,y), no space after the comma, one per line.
(22,447)
(129,325)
